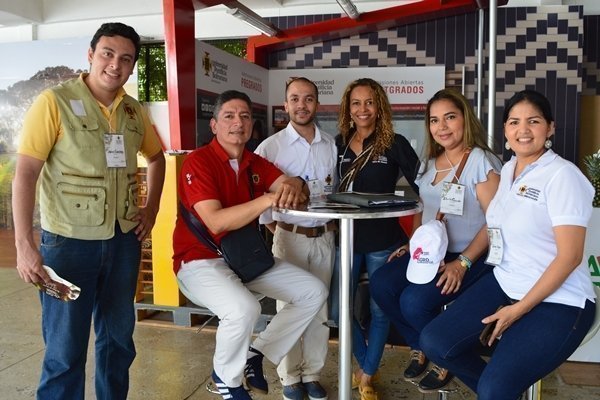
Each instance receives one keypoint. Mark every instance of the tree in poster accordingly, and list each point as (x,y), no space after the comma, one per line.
(14,102)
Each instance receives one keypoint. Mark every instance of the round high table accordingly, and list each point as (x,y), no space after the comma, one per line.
(346,216)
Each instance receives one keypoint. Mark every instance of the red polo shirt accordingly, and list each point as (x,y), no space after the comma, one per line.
(206,174)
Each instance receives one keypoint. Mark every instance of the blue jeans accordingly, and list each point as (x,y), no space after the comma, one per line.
(367,356)
(106,271)
(411,306)
(530,348)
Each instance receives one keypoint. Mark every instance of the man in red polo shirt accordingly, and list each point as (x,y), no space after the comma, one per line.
(215,188)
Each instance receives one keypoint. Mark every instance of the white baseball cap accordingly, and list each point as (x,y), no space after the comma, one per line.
(428,247)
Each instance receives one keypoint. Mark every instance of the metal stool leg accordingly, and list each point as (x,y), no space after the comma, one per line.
(534,392)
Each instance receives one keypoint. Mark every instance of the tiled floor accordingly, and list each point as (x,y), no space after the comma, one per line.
(172,363)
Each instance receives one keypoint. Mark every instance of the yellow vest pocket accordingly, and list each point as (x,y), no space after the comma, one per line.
(81,205)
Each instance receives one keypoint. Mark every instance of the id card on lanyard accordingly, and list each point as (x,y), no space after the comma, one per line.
(114,149)
(453,198)
(319,188)
(496,247)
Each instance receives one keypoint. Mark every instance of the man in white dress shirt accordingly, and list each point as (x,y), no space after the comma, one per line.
(301,149)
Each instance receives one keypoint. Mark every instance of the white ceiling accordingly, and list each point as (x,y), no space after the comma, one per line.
(23,20)
(19,12)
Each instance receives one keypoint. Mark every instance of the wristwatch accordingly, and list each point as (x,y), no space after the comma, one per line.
(465,261)
(303,181)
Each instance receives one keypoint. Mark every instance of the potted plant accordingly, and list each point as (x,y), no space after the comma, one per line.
(592,164)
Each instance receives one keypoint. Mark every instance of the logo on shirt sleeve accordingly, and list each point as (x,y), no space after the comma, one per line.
(188,178)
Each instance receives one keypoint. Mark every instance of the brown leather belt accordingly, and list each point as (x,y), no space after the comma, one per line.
(316,231)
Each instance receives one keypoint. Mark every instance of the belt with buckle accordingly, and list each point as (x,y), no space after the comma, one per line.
(308,232)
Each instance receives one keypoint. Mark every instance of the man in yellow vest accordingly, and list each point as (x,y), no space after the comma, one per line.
(81,139)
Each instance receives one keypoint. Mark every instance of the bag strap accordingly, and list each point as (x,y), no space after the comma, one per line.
(461,166)
(198,229)
(250,185)
(251,188)
(439,216)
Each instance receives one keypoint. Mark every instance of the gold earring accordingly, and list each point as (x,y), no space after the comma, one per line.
(351,123)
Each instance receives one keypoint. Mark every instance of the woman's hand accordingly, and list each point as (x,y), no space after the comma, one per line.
(504,318)
(399,252)
(452,276)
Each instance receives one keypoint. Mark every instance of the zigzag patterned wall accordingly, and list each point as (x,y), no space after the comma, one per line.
(591,55)
(538,48)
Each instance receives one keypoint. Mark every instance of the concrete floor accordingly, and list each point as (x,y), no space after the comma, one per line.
(174,363)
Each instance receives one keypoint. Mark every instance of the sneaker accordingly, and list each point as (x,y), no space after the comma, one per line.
(294,392)
(416,366)
(315,391)
(436,379)
(255,378)
(230,393)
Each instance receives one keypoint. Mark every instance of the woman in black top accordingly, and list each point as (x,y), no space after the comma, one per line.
(371,159)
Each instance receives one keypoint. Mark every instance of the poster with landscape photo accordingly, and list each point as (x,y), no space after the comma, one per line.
(27,69)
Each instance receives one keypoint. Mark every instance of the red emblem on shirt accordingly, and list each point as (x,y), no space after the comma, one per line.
(129,111)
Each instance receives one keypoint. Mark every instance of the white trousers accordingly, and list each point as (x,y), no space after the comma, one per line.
(316,255)
(211,284)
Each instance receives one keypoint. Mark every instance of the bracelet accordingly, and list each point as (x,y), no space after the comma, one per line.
(465,261)
(303,181)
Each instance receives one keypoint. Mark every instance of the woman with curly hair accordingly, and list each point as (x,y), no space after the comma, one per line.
(371,159)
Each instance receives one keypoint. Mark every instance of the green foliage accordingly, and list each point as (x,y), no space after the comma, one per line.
(152,73)
(237,47)
(7,172)
(152,67)
(592,165)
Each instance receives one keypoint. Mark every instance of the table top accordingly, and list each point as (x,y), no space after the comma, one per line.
(352,213)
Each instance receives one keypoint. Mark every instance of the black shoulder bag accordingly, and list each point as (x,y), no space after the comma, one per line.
(243,249)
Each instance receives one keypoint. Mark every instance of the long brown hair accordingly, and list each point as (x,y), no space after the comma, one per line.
(384,131)
(473,131)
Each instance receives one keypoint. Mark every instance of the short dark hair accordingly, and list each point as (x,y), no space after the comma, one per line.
(117,29)
(229,95)
(536,99)
(302,79)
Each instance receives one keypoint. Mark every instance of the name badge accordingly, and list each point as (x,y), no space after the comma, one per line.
(114,149)
(316,188)
(496,248)
(328,188)
(453,198)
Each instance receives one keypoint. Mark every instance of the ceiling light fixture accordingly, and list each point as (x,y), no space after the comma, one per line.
(349,8)
(254,20)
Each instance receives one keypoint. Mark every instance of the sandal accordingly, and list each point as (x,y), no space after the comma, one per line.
(356,379)
(367,393)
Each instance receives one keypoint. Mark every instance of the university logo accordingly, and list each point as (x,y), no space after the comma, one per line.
(206,63)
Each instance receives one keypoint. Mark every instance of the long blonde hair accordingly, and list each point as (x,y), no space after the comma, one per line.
(384,131)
